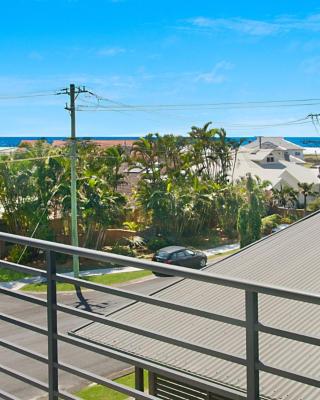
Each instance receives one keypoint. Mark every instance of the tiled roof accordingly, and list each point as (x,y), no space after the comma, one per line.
(275,140)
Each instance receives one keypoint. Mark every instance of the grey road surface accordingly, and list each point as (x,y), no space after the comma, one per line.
(90,300)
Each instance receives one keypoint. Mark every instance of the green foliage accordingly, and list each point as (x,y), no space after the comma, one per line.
(7,275)
(131,225)
(122,250)
(289,219)
(243,226)
(285,196)
(306,189)
(136,242)
(106,279)
(99,392)
(314,205)
(181,180)
(157,243)
(33,191)
(250,213)
(183,192)
(270,222)
(19,254)
(227,203)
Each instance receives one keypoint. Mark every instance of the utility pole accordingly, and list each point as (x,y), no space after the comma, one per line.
(73,93)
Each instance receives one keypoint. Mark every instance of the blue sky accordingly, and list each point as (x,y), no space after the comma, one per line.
(158,52)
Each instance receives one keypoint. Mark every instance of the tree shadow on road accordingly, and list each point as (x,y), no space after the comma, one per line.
(82,300)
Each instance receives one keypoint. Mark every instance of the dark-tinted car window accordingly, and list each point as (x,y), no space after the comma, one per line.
(162,254)
(180,254)
(189,253)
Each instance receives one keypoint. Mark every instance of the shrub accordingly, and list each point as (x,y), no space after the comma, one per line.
(136,242)
(131,225)
(122,250)
(270,222)
(157,243)
(314,205)
(17,251)
(288,220)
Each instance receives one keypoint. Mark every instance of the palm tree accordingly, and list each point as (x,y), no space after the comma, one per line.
(211,153)
(306,190)
(285,196)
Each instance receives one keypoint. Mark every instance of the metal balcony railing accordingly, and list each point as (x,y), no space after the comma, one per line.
(251,324)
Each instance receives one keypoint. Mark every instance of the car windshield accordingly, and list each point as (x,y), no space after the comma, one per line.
(162,254)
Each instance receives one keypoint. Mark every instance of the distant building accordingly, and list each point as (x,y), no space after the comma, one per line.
(270,165)
(30,142)
(282,148)
(101,143)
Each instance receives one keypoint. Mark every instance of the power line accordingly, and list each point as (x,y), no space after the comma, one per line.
(308,101)
(315,121)
(30,95)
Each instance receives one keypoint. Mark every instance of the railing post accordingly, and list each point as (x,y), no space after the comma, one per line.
(139,379)
(252,346)
(152,383)
(52,327)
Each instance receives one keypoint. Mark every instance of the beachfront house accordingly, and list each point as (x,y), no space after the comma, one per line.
(282,148)
(270,165)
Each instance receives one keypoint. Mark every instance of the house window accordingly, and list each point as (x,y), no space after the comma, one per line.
(270,159)
(297,153)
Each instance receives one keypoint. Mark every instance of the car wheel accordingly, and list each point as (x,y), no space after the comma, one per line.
(203,262)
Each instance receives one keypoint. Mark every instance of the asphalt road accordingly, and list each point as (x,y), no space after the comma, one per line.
(90,300)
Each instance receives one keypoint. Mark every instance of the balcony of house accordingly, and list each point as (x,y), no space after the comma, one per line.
(247,327)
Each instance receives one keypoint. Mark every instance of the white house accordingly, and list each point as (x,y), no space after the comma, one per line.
(282,148)
(270,166)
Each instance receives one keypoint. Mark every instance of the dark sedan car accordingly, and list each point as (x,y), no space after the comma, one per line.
(178,255)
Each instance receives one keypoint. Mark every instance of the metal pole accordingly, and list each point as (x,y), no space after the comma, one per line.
(52,327)
(252,346)
(152,383)
(73,158)
(139,379)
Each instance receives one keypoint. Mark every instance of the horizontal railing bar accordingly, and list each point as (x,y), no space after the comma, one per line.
(23,324)
(150,300)
(35,356)
(105,382)
(24,297)
(24,378)
(148,365)
(289,335)
(167,269)
(150,334)
(24,351)
(307,380)
(22,268)
(7,396)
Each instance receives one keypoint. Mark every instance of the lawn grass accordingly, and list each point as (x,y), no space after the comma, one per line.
(222,255)
(7,275)
(99,392)
(107,279)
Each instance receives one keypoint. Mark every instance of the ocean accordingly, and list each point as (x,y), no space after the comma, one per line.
(13,141)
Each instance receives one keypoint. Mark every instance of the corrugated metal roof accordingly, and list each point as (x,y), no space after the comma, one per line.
(289,258)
